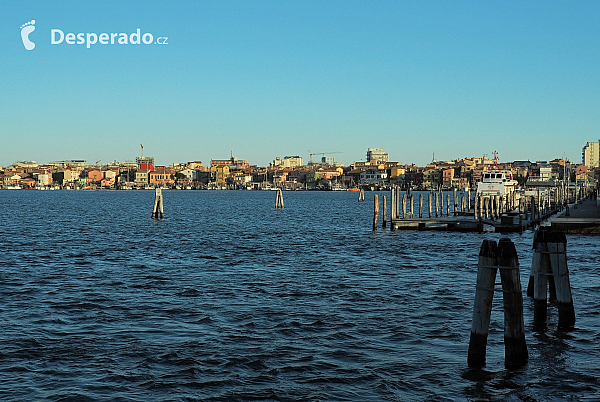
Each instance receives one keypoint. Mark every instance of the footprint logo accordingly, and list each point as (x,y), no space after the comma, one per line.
(26,29)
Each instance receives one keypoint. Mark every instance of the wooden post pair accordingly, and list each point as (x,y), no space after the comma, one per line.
(279,199)
(549,270)
(494,257)
(157,210)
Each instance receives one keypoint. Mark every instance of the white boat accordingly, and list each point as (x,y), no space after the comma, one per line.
(497,182)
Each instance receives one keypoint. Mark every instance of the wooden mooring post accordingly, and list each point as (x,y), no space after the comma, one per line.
(384,221)
(158,211)
(549,270)
(375,212)
(279,199)
(502,256)
(430,202)
(361,195)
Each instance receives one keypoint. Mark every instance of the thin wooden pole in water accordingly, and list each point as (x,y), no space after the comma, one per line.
(430,204)
(420,205)
(375,212)
(384,222)
(475,208)
(448,205)
(437,203)
(398,202)
(538,279)
(455,202)
(557,249)
(482,308)
(403,205)
(469,199)
(515,347)
(157,210)
(393,203)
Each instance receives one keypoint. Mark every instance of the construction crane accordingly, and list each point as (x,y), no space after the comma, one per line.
(142,150)
(98,161)
(321,153)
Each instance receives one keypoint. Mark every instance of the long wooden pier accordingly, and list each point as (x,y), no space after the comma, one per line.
(466,214)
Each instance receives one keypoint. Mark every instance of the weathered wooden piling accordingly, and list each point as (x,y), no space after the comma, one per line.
(384,222)
(411,209)
(560,271)
(448,205)
(515,348)
(455,202)
(361,195)
(482,309)
(397,202)
(492,257)
(430,204)
(158,211)
(549,267)
(375,212)
(393,203)
(420,205)
(279,199)
(475,208)
(468,199)
(404,205)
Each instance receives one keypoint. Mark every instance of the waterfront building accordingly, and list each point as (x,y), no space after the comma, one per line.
(590,155)
(372,176)
(161,177)
(11,180)
(141,177)
(219,174)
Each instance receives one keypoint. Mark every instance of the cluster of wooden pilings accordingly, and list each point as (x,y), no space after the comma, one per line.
(494,257)
(404,206)
(548,269)
(408,213)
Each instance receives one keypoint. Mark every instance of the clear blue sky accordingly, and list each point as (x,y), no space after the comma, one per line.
(277,78)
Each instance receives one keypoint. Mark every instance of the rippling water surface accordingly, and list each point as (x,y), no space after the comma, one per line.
(229,299)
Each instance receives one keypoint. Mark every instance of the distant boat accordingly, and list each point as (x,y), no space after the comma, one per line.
(353,189)
(497,182)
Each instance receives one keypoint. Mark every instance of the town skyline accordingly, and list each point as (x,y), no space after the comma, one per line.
(306,160)
(272,78)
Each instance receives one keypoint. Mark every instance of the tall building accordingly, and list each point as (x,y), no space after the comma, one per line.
(327,160)
(377,155)
(145,162)
(288,162)
(590,156)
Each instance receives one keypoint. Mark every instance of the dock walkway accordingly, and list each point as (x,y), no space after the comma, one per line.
(583,218)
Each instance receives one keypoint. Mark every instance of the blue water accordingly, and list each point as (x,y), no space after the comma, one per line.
(228,299)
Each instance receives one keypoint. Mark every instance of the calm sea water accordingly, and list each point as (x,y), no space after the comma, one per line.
(229,299)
